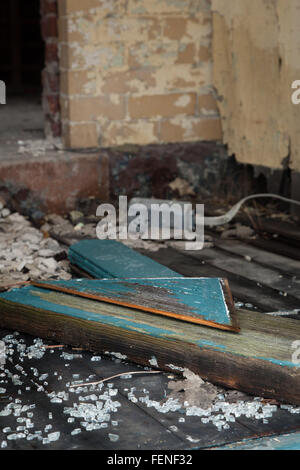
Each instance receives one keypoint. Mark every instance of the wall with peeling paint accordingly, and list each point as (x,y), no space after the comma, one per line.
(256,58)
(137,72)
(149,71)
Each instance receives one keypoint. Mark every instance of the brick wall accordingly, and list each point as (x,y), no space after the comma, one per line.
(136,71)
(50,73)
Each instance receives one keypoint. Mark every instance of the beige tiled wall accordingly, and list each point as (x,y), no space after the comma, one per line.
(136,71)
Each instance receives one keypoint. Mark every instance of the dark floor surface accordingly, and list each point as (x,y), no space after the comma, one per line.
(260,279)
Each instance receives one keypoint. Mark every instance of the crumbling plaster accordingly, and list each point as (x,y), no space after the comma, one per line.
(256,46)
(136,71)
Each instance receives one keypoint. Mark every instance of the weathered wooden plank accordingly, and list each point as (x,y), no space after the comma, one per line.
(268,298)
(283,264)
(264,298)
(257,361)
(255,272)
(276,246)
(205,301)
(268,242)
(110,259)
(284,442)
(285,229)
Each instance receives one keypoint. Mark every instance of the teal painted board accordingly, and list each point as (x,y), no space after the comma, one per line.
(113,259)
(258,360)
(198,300)
(279,442)
(124,318)
(132,320)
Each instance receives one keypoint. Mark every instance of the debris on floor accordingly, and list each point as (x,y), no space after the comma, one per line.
(4,211)
(2,353)
(26,254)
(239,231)
(183,187)
(39,147)
(213,221)
(92,408)
(99,408)
(95,408)
(79,226)
(193,390)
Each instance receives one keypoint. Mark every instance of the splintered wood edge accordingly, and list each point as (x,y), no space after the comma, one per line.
(4,286)
(80,271)
(230,304)
(233,327)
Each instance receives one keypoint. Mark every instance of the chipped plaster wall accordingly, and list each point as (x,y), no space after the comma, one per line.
(256,58)
(136,71)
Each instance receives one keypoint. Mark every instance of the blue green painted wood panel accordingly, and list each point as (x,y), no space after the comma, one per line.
(199,300)
(256,340)
(258,360)
(113,259)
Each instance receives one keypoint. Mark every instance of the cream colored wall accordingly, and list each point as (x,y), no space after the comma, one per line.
(144,71)
(136,71)
(256,57)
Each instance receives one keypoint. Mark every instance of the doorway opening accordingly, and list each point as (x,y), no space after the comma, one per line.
(29,68)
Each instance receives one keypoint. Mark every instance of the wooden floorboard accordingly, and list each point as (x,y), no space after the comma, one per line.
(284,229)
(282,264)
(282,442)
(139,427)
(249,270)
(264,298)
(148,428)
(257,360)
(275,246)
(133,420)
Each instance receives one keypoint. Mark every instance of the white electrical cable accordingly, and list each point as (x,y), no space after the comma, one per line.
(226,218)
(209,221)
